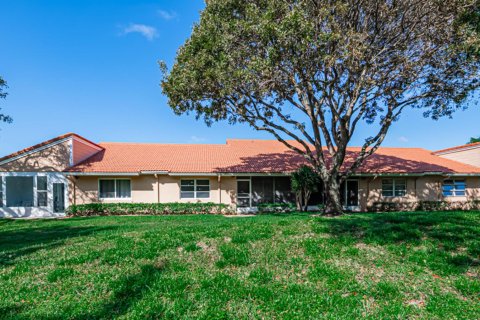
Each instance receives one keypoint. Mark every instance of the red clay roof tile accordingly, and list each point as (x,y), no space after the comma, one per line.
(251,156)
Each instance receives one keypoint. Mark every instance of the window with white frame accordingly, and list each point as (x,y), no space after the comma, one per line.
(394,187)
(114,189)
(195,189)
(454,188)
(42,193)
(19,191)
(1,191)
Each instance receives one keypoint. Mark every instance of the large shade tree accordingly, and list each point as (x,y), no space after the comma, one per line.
(3,95)
(311,71)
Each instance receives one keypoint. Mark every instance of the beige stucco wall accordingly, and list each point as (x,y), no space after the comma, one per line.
(52,159)
(151,189)
(418,189)
(471,156)
(165,189)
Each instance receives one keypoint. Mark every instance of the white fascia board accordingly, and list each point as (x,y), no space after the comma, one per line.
(426,174)
(255,174)
(119,174)
(194,174)
(154,172)
(35,150)
(441,153)
(210,174)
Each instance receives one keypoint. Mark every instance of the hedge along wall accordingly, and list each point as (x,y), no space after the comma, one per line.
(115,209)
(473,205)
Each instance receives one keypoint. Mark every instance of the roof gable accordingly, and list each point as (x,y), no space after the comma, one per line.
(69,137)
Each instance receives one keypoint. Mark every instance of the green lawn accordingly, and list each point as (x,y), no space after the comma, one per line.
(396,265)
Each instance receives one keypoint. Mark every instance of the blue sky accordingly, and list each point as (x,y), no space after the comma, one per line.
(90,67)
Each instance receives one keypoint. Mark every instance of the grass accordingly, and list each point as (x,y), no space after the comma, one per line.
(395,265)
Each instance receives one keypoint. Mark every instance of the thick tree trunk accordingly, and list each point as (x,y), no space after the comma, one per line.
(333,202)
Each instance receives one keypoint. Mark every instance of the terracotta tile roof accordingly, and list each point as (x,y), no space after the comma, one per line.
(458,148)
(45,143)
(251,156)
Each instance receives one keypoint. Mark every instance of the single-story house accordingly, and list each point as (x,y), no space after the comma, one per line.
(45,179)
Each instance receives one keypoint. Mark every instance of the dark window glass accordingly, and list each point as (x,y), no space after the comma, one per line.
(58,197)
(107,189)
(195,189)
(19,191)
(123,189)
(42,198)
(187,189)
(41,183)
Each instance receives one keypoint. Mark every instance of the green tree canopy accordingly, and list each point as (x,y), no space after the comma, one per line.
(311,71)
(3,95)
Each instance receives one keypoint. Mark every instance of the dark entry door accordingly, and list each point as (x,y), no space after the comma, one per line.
(352,193)
(58,197)
(349,193)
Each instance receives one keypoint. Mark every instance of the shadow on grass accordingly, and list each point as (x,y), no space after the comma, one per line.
(17,243)
(453,236)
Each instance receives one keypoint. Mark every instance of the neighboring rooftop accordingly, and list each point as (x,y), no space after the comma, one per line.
(459,148)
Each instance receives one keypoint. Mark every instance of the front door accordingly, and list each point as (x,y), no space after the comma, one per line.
(349,193)
(244,193)
(58,197)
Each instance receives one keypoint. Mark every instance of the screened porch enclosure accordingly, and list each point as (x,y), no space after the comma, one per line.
(253,191)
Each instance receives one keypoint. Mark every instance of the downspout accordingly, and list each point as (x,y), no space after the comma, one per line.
(220,189)
(158,187)
(74,191)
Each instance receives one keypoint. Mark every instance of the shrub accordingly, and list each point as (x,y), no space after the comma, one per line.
(114,209)
(276,207)
(304,182)
(425,206)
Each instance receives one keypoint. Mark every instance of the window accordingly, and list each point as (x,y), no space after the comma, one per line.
(394,187)
(42,200)
(454,188)
(19,191)
(195,189)
(1,191)
(115,189)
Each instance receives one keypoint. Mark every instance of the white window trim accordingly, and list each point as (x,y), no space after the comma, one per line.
(454,190)
(114,188)
(394,182)
(195,189)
